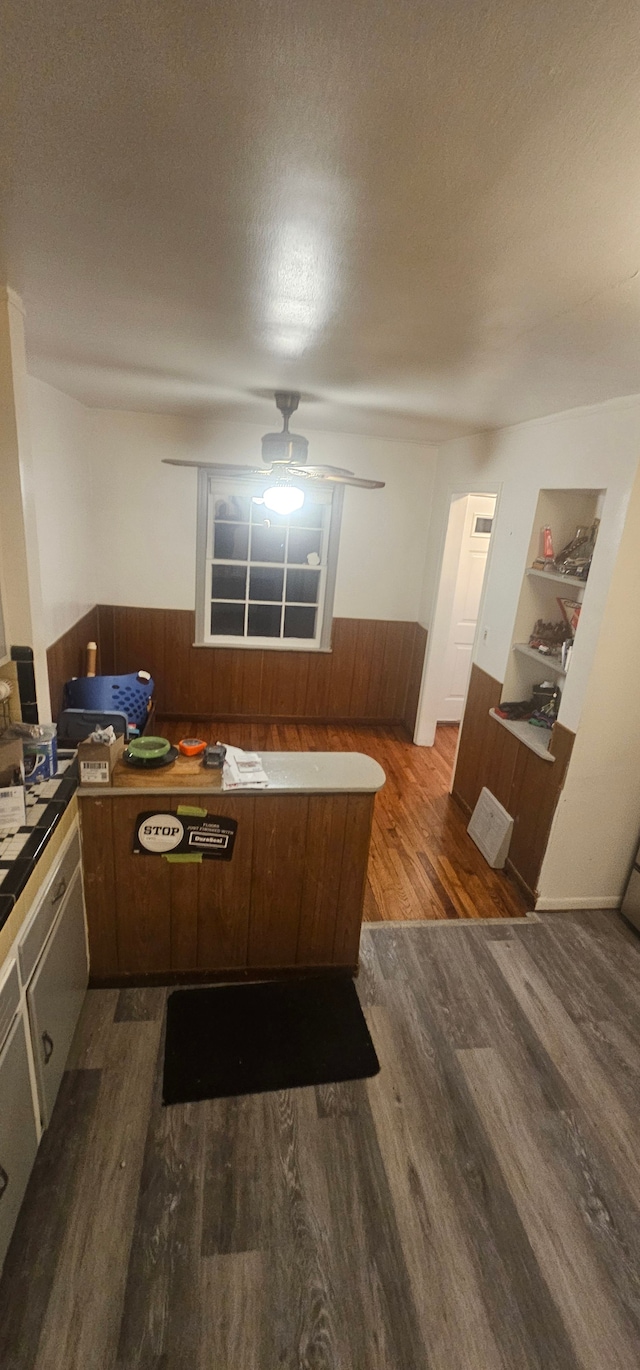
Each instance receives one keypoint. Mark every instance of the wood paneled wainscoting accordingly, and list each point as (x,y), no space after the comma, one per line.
(371,675)
(66,657)
(527,786)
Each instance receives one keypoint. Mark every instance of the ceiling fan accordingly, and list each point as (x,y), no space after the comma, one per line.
(285,456)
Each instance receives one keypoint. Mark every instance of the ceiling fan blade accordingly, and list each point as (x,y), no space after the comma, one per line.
(321,470)
(351,480)
(229,469)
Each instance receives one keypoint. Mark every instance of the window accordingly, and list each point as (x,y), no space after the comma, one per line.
(265,579)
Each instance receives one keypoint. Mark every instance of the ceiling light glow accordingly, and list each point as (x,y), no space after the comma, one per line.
(283,499)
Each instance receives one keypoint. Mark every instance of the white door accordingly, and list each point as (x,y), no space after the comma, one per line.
(472,563)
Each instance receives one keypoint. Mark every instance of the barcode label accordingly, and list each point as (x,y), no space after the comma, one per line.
(95,771)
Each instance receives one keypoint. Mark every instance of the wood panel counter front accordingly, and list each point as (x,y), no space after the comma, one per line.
(289,900)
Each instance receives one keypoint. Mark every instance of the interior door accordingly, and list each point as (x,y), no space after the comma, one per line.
(55,997)
(466,605)
(18,1134)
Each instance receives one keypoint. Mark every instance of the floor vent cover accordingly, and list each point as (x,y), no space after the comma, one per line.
(491,827)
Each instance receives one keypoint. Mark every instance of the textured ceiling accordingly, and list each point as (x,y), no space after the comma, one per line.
(426,215)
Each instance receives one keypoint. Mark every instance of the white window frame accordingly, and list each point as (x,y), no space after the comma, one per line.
(209,486)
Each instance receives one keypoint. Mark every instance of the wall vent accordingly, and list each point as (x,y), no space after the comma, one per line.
(491,827)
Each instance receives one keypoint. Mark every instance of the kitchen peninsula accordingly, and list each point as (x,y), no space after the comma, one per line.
(288,901)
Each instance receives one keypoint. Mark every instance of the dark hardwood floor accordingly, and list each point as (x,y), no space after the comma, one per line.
(423,864)
(475,1206)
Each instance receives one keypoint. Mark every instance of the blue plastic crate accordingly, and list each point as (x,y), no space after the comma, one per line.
(125,694)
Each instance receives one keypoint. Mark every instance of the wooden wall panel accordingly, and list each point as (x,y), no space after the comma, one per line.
(372,674)
(327,821)
(524,783)
(280,856)
(224,890)
(66,657)
(478,736)
(142,890)
(414,677)
(533,800)
(291,896)
(357,837)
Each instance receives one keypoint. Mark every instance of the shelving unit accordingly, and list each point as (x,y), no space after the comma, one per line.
(537,739)
(550,663)
(563,511)
(556,577)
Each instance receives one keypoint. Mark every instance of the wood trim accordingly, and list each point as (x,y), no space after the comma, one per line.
(66,656)
(527,786)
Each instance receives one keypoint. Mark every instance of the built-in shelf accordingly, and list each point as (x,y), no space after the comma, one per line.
(538,740)
(558,577)
(552,663)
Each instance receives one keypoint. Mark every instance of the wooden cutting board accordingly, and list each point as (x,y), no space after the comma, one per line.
(186,772)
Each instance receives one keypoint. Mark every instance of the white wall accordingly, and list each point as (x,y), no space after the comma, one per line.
(145,531)
(594,448)
(19,551)
(597,823)
(66,511)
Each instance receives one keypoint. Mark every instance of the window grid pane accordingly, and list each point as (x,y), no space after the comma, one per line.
(282,600)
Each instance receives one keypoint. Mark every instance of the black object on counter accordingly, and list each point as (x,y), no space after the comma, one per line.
(248,1039)
(214,757)
(154,763)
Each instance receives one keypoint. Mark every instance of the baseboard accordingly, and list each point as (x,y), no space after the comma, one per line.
(242,974)
(609,901)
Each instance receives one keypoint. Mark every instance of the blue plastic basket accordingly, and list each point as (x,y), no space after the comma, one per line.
(125,694)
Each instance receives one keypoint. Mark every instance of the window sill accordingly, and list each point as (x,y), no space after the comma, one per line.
(244,646)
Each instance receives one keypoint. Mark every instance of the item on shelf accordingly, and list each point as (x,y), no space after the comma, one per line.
(570,609)
(542,693)
(547,546)
(516,710)
(575,559)
(546,716)
(566,654)
(547,638)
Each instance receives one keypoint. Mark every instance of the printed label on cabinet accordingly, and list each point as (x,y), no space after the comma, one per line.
(157,834)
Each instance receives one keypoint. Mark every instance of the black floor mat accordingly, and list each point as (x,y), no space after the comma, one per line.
(245,1039)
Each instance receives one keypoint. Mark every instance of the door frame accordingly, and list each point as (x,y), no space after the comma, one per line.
(426,718)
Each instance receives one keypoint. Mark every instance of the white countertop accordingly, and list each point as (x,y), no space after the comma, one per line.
(288,772)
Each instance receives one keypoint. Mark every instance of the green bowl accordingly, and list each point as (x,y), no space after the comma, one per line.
(149,748)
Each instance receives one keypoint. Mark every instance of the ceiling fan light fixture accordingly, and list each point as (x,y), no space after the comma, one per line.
(283,499)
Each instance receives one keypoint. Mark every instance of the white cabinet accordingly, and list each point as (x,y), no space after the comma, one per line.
(18,1129)
(42,986)
(55,994)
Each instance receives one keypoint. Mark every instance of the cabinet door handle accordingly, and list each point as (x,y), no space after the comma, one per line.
(59,891)
(47,1043)
(4,1180)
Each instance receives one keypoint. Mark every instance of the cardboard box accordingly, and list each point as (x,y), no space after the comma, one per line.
(11,761)
(12,805)
(96,761)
